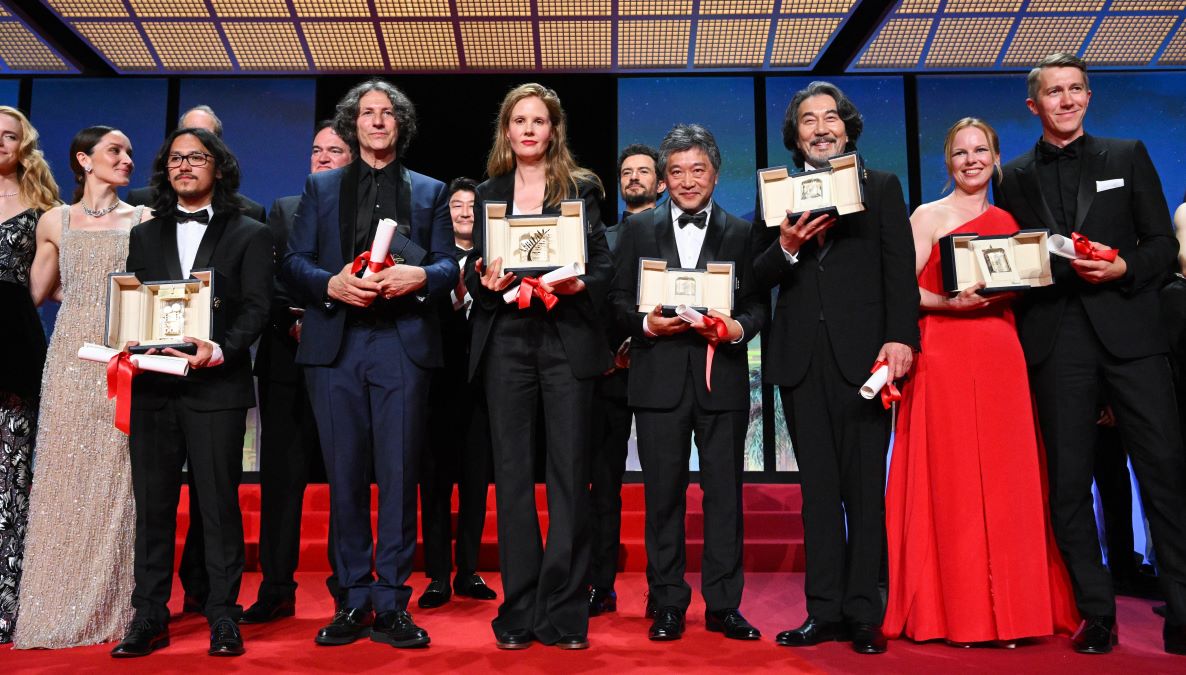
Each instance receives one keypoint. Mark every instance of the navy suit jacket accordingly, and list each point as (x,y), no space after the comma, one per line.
(321,243)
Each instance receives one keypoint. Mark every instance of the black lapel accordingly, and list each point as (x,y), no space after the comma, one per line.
(403,202)
(665,237)
(1095,156)
(348,208)
(169,247)
(210,240)
(1027,176)
(713,236)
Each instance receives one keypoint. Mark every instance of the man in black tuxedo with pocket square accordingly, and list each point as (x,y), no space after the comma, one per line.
(200,418)
(674,394)
(847,299)
(1098,328)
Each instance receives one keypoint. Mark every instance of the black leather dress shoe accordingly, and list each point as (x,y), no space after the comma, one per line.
(867,638)
(812,632)
(397,629)
(473,586)
(348,625)
(602,600)
(435,595)
(513,639)
(668,625)
(264,611)
(573,642)
(192,604)
(225,639)
(731,623)
(1175,639)
(144,636)
(1096,635)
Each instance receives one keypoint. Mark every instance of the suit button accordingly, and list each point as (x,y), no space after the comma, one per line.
(216,302)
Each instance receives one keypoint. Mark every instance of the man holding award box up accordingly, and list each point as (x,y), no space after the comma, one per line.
(691,380)
(367,345)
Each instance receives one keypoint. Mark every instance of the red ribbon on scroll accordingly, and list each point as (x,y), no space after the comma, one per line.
(722,332)
(530,286)
(1083,247)
(120,371)
(364,260)
(889,393)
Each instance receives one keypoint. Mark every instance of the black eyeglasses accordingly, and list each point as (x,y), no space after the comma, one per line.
(195,159)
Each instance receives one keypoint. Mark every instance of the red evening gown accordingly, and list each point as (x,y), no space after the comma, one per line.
(971,554)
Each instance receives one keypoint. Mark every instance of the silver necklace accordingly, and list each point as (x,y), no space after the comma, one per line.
(98,213)
(10,194)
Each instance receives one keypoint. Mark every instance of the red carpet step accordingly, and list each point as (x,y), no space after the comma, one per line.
(773,527)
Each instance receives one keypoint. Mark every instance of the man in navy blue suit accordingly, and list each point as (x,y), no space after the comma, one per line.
(367,346)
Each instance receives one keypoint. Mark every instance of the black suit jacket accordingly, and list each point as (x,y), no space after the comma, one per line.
(660,366)
(576,316)
(144,196)
(240,249)
(1132,217)
(864,288)
(275,358)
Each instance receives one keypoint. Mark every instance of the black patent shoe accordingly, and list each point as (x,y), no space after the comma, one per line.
(225,639)
(1096,635)
(473,586)
(812,632)
(731,623)
(573,642)
(348,625)
(264,611)
(867,638)
(602,600)
(435,595)
(513,639)
(668,625)
(144,636)
(397,629)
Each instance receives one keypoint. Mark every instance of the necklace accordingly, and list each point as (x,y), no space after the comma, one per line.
(10,194)
(98,213)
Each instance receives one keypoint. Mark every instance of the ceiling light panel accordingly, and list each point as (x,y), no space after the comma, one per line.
(266,46)
(576,45)
(498,45)
(420,45)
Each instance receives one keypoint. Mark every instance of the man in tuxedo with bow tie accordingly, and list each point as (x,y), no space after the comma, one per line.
(1096,329)
(675,396)
(200,418)
(368,345)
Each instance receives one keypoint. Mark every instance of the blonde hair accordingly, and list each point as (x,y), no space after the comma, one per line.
(994,143)
(563,174)
(37,188)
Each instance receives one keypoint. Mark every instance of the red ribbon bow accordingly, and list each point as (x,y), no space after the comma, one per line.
(722,331)
(1083,248)
(889,393)
(120,371)
(530,286)
(364,260)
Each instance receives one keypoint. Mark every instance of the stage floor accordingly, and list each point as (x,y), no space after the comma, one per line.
(462,642)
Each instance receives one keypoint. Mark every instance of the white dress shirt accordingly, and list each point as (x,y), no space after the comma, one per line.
(189,238)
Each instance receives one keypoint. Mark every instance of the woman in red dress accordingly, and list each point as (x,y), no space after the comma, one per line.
(971,555)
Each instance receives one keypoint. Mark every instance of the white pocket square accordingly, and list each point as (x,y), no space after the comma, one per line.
(1101,185)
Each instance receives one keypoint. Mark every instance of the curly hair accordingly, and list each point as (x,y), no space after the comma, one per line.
(563,174)
(37,186)
(346,114)
(224,199)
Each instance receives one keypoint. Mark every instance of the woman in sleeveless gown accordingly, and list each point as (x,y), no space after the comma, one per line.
(971,554)
(27,189)
(77,584)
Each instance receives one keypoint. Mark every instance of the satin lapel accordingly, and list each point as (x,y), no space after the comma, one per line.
(713,236)
(1028,177)
(1094,159)
(210,240)
(348,209)
(169,247)
(403,202)
(664,237)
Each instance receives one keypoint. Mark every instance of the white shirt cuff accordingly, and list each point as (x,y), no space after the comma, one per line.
(647,329)
(791,257)
(216,358)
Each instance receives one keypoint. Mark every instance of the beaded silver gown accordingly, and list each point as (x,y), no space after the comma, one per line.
(77,582)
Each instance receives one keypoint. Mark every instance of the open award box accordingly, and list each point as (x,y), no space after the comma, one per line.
(157,314)
(838,189)
(1004,262)
(536,243)
(702,290)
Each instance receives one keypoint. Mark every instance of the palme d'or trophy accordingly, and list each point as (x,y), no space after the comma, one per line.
(172,302)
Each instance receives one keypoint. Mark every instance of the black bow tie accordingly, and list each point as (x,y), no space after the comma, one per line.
(699,220)
(202,216)
(1049,153)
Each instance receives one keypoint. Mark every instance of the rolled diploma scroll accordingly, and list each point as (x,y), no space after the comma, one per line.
(690,315)
(557,275)
(1062,246)
(384,233)
(876,381)
(157,363)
